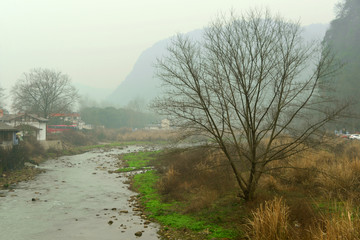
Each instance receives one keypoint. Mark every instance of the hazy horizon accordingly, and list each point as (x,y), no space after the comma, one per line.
(97,42)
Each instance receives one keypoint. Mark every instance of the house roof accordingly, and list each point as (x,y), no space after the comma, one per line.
(10,117)
(6,128)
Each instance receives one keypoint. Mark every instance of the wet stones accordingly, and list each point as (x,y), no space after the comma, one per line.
(138,234)
(137,209)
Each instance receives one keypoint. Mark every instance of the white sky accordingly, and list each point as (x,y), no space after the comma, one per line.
(96,42)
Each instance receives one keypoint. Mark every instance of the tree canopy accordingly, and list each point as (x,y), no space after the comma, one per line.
(43,92)
(251,86)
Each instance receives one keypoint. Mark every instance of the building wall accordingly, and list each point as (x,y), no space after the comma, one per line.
(54,144)
(42,133)
(42,125)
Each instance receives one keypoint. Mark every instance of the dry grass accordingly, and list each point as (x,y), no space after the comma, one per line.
(344,223)
(330,173)
(147,135)
(270,221)
(79,138)
(200,178)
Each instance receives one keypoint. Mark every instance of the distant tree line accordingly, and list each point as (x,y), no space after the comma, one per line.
(111,117)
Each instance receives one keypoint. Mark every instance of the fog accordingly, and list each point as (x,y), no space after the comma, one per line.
(97,42)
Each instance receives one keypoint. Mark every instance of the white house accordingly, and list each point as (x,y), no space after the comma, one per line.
(27,124)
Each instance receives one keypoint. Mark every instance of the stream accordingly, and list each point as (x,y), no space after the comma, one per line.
(76,198)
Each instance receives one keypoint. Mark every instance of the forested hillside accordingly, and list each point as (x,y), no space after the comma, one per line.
(343,39)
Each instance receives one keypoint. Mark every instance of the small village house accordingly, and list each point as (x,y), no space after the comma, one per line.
(28,124)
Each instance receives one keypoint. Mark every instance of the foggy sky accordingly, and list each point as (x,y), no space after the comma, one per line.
(96,42)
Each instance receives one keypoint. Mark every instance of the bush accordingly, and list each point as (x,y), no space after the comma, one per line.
(76,138)
(198,175)
(13,158)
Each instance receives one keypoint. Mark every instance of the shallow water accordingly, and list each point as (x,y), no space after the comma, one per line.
(74,199)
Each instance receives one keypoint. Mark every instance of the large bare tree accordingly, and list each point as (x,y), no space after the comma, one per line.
(44,91)
(251,85)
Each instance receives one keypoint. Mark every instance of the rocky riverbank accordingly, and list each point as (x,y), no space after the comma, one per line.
(9,179)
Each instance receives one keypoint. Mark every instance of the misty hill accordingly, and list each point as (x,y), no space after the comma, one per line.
(142,85)
(96,94)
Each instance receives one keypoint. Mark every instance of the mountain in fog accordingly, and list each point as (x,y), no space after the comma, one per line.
(141,82)
(94,93)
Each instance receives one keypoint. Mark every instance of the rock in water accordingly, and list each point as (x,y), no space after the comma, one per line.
(138,234)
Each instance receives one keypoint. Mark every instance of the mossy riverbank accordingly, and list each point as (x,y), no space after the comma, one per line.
(175,223)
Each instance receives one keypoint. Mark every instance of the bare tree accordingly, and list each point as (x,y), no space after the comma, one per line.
(44,91)
(2,96)
(251,85)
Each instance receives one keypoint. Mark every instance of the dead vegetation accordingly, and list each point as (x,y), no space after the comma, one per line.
(295,201)
(88,137)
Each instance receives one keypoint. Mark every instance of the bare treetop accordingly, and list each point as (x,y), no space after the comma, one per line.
(44,91)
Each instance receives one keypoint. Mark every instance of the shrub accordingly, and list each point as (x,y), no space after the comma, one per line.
(13,158)
(76,138)
(198,175)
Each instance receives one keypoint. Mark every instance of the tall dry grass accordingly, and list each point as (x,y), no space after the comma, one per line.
(344,223)
(333,173)
(270,221)
(147,135)
(329,174)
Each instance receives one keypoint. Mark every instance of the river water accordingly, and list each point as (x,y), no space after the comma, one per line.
(76,198)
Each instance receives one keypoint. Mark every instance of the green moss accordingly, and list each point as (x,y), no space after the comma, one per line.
(137,161)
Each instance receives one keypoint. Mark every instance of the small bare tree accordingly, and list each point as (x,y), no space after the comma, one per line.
(251,85)
(44,91)
(2,96)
